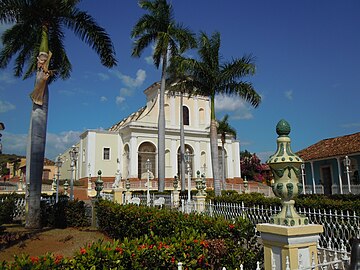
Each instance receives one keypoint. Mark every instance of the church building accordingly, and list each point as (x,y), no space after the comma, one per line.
(128,145)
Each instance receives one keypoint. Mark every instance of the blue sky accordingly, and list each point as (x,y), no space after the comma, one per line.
(307,56)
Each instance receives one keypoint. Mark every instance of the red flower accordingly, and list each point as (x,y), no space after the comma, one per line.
(173,259)
(195,241)
(34,259)
(119,249)
(204,243)
(58,259)
(82,251)
(231,226)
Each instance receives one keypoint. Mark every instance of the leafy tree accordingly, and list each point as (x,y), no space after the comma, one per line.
(224,129)
(208,77)
(158,26)
(36,32)
(250,165)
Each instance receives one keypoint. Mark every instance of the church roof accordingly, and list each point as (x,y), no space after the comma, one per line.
(132,117)
(339,146)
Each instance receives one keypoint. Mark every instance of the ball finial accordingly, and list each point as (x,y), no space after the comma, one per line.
(283,128)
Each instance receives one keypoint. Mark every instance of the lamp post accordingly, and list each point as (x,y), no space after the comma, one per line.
(148,167)
(89,176)
(58,164)
(302,166)
(73,157)
(187,161)
(347,163)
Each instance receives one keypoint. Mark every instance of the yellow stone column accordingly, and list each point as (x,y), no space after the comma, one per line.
(118,195)
(298,243)
(289,238)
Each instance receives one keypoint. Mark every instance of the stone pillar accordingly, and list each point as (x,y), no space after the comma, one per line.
(200,203)
(176,198)
(297,243)
(288,239)
(118,195)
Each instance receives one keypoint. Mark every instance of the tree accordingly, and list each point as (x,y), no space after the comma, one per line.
(158,26)
(36,32)
(208,77)
(250,165)
(224,129)
(176,85)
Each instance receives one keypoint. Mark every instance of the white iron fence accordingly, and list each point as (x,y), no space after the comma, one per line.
(339,226)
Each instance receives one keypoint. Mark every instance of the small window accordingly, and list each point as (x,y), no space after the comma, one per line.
(106,153)
(83,155)
(185,116)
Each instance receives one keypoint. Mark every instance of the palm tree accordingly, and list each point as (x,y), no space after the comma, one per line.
(223,129)
(175,84)
(159,27)
(38,30)
(208,77)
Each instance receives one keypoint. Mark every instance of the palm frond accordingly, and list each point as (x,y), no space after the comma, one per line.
(85,27)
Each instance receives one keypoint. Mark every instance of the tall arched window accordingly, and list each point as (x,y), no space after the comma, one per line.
(202,116)
(147,151)
(186,115)
(126,161)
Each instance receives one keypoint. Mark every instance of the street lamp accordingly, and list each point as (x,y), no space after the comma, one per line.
(187,161)
(73,157)
(58,164)
(302,166)
(148,167)
(347,163)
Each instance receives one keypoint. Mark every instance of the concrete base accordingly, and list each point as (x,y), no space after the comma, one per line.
(298,243)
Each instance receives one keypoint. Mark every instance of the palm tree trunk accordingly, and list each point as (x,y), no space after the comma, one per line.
(35,160)
(223,163)
(161,129)
(214,149)
(182,143)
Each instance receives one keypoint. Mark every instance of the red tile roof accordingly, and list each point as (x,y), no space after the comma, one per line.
(339,146)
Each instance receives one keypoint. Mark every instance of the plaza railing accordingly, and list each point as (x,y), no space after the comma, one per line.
(339,226)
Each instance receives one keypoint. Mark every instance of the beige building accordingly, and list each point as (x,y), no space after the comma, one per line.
(127,145)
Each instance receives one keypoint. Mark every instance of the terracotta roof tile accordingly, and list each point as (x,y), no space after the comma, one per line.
(339,146)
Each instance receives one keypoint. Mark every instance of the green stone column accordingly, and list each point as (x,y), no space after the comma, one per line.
(288,237)
(285,167)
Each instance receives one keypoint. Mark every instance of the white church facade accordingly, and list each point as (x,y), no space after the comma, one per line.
(126,146)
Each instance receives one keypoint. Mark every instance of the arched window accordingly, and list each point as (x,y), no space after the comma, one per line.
(186,115)
(126,161)
(146,152)
(202,116)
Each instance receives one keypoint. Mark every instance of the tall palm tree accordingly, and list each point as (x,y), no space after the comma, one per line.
(158,26)
(38,30)
(223,129)
(208,77)
(175,84)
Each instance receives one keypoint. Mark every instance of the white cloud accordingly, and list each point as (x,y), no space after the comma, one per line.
(103,99)
(6,106)
(6,77)
(119,100)
(55,143)
(103,76)
(131,82)
(289,94)
(149,60)
(234,104)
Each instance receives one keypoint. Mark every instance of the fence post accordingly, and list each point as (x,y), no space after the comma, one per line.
(355,255)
